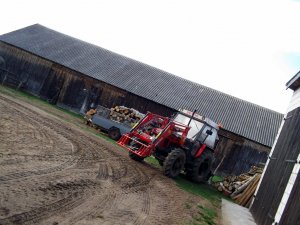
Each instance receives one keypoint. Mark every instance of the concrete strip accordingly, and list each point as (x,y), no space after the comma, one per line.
(234,214)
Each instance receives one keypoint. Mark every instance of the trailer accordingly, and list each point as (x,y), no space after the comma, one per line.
(110,123)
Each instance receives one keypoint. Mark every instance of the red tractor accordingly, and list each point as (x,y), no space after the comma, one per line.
(184,142)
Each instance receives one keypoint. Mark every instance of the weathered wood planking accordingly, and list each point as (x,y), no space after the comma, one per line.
(236,155)
(278,172)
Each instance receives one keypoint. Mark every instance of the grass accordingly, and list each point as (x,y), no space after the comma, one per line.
(151,160)
(202,190)
(217,179)
(205,216)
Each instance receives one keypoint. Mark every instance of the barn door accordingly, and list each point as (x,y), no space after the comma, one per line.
(278,172)
(74,94)
(52,86)
(93,96)
(2,69)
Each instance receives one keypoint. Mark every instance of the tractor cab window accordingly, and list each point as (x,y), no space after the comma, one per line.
(208,136)
(195,125)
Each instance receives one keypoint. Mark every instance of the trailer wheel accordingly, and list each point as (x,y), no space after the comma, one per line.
(114,133)
(200,169)
(135,157)
(174,163)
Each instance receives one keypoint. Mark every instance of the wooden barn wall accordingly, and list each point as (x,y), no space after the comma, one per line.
(75,91)
(25,67)
(91,91)
(235,154)
(278,172)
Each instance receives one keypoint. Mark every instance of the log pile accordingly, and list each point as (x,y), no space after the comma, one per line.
(88,116)
(90,113)
(241,188)
(123,114)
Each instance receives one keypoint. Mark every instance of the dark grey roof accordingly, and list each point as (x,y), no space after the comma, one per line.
(241,117)
(294,82)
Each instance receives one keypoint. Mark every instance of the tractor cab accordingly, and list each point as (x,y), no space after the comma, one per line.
(202,129)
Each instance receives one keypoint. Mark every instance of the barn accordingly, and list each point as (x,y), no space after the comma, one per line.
(277,199)
(74,74)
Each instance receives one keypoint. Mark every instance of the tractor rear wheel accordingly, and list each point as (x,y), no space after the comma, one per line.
(200,169)
(135,157)
(174,163)
(114,133)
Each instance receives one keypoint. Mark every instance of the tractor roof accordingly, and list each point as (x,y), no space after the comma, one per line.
(199,117)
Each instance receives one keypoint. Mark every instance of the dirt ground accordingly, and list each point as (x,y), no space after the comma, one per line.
(52,172)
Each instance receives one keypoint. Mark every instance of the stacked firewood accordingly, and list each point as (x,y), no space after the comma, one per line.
(88,116)
(241,188)
(123,114)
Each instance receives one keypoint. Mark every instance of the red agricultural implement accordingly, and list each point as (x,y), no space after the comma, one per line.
(184,142)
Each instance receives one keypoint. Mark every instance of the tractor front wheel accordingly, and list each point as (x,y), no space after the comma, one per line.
(135,157)
(174,163)
(200,169)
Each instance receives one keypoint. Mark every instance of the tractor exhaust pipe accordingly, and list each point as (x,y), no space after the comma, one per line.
(192,117)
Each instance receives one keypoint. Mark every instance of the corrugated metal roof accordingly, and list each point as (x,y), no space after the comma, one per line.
(246,119)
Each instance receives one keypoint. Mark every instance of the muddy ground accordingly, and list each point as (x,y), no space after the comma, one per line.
(52,172)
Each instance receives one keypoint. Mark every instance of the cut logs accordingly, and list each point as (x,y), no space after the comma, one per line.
(123,114)
(241,188)
(88,116)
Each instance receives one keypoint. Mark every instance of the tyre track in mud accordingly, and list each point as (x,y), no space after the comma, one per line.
(59,130)
(63,203)
(64,176)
